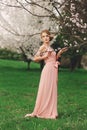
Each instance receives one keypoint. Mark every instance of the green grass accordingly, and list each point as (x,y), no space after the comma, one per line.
(18,90)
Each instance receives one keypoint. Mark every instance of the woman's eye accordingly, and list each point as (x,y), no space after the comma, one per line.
(45,36)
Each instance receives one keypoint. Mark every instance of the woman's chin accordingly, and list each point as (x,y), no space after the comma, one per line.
(47,42)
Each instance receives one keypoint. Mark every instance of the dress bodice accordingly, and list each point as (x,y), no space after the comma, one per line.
(51,56)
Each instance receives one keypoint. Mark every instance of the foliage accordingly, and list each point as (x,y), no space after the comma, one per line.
(8,54)
(73,30)
(73,27)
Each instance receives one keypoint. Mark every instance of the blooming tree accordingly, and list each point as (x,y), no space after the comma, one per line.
(65,18)
(73,28)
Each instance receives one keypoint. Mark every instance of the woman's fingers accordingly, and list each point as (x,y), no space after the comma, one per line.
(64,49)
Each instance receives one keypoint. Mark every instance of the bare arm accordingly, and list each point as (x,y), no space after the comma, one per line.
(38,57)
(61,52)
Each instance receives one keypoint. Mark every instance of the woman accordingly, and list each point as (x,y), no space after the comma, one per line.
(46,102)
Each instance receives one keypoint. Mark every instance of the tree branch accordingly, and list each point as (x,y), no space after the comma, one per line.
(15,6)
(31,12)
(58,11)
(11,31)
(33,3)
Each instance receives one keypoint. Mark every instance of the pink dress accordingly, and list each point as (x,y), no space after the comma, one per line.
(46,102)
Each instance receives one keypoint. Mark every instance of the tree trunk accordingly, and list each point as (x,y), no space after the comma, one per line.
(79,61)
(28,64)
(75,62)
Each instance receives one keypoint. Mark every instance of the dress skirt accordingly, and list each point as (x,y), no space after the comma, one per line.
(46,101)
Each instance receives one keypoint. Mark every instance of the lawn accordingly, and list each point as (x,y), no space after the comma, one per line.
(18,90)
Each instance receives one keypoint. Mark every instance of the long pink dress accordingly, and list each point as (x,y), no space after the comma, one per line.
(46,102)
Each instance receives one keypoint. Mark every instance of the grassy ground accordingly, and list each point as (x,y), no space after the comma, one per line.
(18,89)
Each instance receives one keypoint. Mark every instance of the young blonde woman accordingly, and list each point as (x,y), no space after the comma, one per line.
(46,101)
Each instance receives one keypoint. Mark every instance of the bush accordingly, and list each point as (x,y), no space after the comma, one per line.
(8,54)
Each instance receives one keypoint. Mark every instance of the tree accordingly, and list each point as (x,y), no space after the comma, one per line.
(65,18)
(73,28)
(21,23)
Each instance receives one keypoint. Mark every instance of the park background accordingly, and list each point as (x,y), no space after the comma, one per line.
(21,22)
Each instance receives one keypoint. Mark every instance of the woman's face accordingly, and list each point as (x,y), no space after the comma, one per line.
(45,37)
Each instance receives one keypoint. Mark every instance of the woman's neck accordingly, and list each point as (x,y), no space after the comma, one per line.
(46,44)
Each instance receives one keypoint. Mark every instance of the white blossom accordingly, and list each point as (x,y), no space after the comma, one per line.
(77,51)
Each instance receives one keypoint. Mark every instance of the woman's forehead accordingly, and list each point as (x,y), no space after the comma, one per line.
(44,34)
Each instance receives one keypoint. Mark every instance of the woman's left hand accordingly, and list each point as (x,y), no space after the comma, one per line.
(62,51)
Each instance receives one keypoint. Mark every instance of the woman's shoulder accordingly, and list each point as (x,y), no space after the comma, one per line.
(42,47)
(45,48)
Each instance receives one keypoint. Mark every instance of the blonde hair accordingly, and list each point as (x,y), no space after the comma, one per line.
(47,32)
